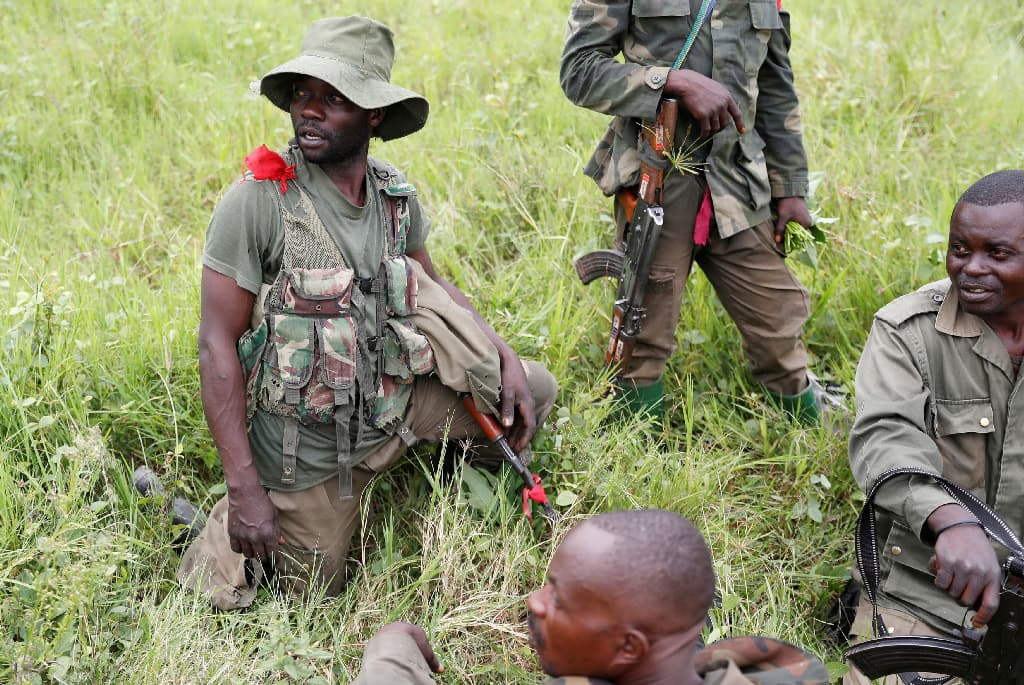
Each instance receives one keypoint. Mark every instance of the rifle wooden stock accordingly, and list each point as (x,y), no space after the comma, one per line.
(492,429)
(659,135)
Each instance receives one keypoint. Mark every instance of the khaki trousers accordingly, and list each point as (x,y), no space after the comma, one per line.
(748,272)
(899,623)
(316,525)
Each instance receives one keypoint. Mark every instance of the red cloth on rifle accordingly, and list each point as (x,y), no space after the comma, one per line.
(702,225)
(536,494)
(265,164)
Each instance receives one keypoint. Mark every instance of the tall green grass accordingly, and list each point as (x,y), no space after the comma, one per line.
(123,122)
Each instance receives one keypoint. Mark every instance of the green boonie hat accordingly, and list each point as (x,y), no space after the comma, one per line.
(353,54)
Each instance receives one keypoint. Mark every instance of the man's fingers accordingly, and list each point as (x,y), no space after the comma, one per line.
(428,651)
(958,585)
(780,230)
(737,118)
(508,407)
(989,604)
(943,578)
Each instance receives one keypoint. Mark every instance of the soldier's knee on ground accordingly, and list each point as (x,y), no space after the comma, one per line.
(543,388)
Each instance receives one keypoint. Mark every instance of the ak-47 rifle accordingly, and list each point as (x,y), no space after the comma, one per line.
(632,266)
(991,656)
(994,656)
(532,488)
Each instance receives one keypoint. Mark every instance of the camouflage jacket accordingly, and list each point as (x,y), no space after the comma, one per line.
(744,46)
(394,659)
(936,390)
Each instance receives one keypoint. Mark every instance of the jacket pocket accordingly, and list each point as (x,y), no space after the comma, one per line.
(909,579)
(962,428)
(764,14)
(251,347)
(317,292)
(338,346)
(661,8)
(402,286)
(407,352)
(751,162)
(293,340)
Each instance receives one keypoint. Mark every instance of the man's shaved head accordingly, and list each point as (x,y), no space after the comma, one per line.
(623,588)
(664,558)
(998,188)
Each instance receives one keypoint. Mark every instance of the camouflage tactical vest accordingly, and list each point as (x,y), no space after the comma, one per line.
(308,359)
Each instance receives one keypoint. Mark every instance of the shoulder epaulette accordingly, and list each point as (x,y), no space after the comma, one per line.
(925,300)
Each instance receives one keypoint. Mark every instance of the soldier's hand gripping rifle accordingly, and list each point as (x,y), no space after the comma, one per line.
(632,266)
(992,656)
(532,488)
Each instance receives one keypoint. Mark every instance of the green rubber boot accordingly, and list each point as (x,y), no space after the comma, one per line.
(818,404)
(643,399)
(803,407)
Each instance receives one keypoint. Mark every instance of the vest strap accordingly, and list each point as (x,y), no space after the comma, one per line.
(342,421)
(289,448)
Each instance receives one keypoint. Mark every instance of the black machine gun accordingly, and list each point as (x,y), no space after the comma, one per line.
(632,265)
(994,656)
(991,656)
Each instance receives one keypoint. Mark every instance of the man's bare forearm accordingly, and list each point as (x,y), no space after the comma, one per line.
(224,404)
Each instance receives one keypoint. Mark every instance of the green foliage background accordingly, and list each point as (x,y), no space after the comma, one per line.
(123,121)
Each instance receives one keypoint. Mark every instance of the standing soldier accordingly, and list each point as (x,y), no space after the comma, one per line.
(739,110)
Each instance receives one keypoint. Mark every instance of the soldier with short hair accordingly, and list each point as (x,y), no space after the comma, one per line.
(328,343)
(626,598)
(739,117)
(939,389)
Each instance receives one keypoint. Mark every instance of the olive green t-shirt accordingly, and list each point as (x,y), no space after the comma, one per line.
(245,241)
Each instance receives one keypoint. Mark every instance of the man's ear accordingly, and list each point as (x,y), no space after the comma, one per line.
(377,116)
(632,649)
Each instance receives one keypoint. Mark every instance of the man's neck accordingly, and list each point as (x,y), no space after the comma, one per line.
(671,671)
(669,662)
(350,179)
(1009,327)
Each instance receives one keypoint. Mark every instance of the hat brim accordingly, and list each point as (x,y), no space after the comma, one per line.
(406,111)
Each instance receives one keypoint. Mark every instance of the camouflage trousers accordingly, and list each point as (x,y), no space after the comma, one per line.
(899,623)
(317,526)
(748,272)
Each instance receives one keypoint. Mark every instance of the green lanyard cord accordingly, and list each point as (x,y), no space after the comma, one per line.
(702,14)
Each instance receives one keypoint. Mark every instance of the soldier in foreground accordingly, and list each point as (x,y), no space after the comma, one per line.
(746,173)
(939,389)
(328,343)
(625,600)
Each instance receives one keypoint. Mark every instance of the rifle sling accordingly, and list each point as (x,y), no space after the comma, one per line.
(867,552)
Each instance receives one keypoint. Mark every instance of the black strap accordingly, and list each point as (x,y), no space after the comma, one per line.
(867,550)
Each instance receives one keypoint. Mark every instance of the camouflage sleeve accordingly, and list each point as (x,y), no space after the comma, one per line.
(590,75)
(393,658)
(778,118)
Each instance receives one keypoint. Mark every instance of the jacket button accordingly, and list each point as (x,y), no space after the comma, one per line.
(656,78)
(897,550)
(984,422)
